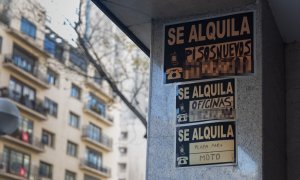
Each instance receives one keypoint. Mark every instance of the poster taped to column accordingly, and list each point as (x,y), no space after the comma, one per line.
(206,144)
(209,48)
(205,101)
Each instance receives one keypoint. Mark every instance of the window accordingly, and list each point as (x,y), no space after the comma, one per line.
(74,120)
(94,132)
(122,167)
(98,79)
(78,60)
(75,91)
(1,40)
(51,107)
(28,27)
(96,105)
(123,151)
(17,162)
(70,175)
(25,130)
(53,48)
(48,138)
(72,149)
(93,158)
(25,95)
(22,93)
(87,177)
(52,77)
(49,45)
(45,170)
(124,135)
(24,59)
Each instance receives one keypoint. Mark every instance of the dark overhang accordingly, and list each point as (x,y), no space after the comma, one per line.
(134,17)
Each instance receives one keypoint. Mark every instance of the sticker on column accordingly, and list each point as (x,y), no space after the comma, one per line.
(210,100)
(209,48)
(206,143)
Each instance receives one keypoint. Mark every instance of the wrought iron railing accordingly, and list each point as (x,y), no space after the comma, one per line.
(36,105)
(28,138)
(95,109)
(15,60)
(97,167)
(99,138)
(8,165)
(100,112)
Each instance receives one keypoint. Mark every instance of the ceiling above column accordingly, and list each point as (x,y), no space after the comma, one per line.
(134,16)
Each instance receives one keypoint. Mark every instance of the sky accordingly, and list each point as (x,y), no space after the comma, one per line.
(58,12)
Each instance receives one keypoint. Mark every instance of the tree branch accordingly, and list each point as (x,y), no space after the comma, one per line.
(96,60)
(109,81)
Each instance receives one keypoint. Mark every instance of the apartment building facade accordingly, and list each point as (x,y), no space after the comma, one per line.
(131,143)
(132,150)
(69,123)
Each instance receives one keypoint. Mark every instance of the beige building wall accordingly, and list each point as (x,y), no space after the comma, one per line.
(61,94)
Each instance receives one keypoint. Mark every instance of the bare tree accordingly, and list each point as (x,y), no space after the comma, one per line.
(110,52)
(98,45)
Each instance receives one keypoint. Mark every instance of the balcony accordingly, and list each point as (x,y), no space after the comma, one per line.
(26,141)
(38,78)
(98,170)
(93,84)
(95,112)
(16,171)
(102,141)
(34,44)
(33,107)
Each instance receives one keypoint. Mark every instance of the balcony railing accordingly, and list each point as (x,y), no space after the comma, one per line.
(96,109)
(33,71)
(27,140)
(36,105)
(98,114)
(17,171)
(104,171)
(98,138)
(99,111)
(98,86)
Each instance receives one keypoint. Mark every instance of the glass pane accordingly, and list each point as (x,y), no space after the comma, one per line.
(45,138)
(94,158)
(5,154)
(49,45)
(45,170)
(26,165)
(28,28)
(86,177)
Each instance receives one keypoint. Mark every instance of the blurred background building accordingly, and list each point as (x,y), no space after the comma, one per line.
(70,123)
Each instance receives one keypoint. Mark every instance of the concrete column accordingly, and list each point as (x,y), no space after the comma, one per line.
(273,99)
(292,56)
(260,106)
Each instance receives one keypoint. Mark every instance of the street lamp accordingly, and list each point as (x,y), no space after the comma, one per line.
(9,117)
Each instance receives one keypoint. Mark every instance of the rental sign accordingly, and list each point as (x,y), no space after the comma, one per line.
(207,100)
(209,48)
(207,143)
